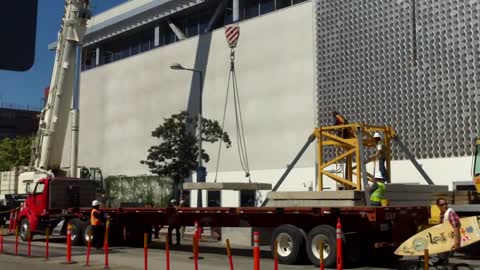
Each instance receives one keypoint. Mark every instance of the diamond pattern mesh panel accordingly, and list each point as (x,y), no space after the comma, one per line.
(411,64)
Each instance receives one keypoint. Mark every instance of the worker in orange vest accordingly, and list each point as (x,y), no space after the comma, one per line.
(96,221)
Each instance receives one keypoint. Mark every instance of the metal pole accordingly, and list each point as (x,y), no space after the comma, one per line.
(361,162)
(311,138)
(236,11)
(415,163)
(75,112)
(199,141)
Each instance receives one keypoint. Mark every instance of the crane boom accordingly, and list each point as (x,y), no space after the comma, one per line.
(48,147)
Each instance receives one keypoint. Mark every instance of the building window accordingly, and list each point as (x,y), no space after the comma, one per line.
(247,198)
(214,198)
(250,9)
(266,6)
(169,36)
(192,23)
(283,3)
(228,16)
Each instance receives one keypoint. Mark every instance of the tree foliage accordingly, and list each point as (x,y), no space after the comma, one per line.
(15,152)
(176,154)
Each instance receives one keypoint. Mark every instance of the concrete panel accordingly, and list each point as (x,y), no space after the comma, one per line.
(408,196)
(411,203)
(314,203)
(314,195)
(227,186)
(415,188)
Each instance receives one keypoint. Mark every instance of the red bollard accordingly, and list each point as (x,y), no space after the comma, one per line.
(10,224)
(167,251)
(69,243)
(196,230)
(339,246)
(195,251)
(29,237)
(275,255)
(47,237)
(256,250)
(89,247)
(229,254)
(1,240)
(15,217)
(145,250)
(16,241)
(105,243)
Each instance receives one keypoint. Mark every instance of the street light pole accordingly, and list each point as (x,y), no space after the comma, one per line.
(200,171)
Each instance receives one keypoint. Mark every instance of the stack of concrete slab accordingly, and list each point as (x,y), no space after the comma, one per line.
(413,194)
(397,195)
(466,197)
(226,186)
(316,199)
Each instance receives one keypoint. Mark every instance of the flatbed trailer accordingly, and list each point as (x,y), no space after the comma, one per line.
(298,231)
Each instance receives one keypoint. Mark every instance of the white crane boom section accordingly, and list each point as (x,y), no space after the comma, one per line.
(48,148)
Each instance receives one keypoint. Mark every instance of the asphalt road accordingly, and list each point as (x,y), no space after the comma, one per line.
(133,258)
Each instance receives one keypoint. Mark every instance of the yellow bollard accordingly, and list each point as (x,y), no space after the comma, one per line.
(425,259)
(320,254)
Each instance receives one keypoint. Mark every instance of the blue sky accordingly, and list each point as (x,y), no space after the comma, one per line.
(26,88)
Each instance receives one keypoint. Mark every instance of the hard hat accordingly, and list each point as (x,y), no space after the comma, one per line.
(95,203)
(377,135)
(173,201)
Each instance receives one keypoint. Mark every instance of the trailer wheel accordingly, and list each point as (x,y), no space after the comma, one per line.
(290,243)
(24,227)
(78,228)
(327,234)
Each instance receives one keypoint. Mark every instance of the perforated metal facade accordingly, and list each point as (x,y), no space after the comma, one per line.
(411,64)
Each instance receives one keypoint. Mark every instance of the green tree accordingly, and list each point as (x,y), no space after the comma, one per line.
(15,152)
(176,154)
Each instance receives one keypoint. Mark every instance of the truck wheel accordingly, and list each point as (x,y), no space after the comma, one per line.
(290,243)
(23,230)
(78,227)
(327,234)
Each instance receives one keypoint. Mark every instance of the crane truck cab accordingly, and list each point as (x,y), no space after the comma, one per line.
(55,199)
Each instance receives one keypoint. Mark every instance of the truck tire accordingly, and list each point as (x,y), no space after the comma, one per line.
(290,243)
(78,228)
(23,230)
(327,234)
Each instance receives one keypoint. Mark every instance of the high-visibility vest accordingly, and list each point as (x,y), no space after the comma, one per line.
(379,193)
(93,220)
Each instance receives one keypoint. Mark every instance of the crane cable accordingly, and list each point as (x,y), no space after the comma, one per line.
(240,131)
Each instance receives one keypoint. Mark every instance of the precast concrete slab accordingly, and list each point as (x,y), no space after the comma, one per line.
(315,203)
(415,188)
(317,195)
(227,186)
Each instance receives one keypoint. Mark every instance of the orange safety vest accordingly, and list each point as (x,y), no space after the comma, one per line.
(93,220)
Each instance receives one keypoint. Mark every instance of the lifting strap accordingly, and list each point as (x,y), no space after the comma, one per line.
(242,145)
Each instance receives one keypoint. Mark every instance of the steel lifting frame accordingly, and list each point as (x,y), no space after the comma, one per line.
(348,142)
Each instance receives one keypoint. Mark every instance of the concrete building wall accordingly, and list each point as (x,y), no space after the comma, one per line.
(121,103)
